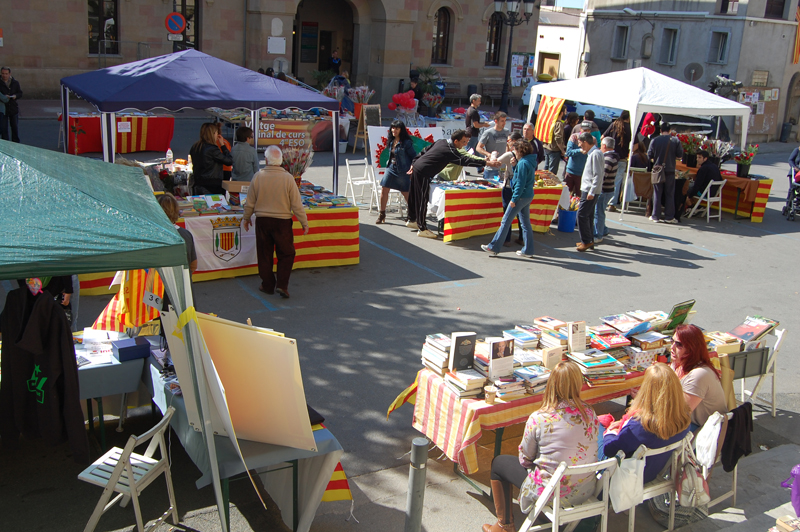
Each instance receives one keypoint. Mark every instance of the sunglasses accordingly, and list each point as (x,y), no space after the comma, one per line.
(676,343)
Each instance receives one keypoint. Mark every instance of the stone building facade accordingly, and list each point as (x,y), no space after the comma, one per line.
(379,41)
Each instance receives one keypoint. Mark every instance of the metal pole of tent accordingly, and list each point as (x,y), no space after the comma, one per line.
(65,115)
(108,122)
(335,119)
(628,172)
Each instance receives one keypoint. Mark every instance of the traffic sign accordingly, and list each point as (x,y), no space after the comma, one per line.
(175,23)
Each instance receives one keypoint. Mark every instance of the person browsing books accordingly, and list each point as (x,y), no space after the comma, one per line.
(274,198)
(658,416)
(700,381)
(564,429)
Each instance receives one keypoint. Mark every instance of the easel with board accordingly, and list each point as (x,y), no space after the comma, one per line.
(370,116)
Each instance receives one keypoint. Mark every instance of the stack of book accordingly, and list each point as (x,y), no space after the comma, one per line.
(552,338)
(608,341)
(527,357)
(599,368)
(626,324)
(436,353)
(754,328)
(467,383)
(509,388)
(649,340)
(535,378)
(523,339)
(723,343)
(548,323)
(530,329)
(787,523)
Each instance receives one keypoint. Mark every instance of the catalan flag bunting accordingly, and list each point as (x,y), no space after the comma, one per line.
(127,308)
(549,112)
(409,395)
(338,488)
(796,54)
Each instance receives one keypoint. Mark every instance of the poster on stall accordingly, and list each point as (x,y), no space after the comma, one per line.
(378,138)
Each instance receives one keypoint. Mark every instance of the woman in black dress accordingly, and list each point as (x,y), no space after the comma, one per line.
(400,157)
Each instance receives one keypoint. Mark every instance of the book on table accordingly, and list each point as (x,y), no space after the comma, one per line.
(679,313)
(462,350)
(548,322)
(527,357)
(649,340)
(522,339)
(501,357)
(600,330)
(435,356)
(530,329)
(468,379)
(754,328)
(576,335)
(587,355)
(609,341)
(439,340)
(621,322)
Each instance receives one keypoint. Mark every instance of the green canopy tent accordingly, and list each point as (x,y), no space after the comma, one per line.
(62,215)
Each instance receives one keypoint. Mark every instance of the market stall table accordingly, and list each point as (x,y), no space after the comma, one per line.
(135,133)
(473,212)
(741,195)
(455,425)
(310,470)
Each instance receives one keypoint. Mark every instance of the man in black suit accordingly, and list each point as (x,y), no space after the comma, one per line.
(707,172)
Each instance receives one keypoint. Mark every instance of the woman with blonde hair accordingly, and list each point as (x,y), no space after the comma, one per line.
(658,416)
(564,429)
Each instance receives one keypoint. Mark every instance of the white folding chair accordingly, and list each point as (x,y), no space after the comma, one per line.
(560,512)
(353,181)
(128,473)
(769,371)
(664,483)
(709,199)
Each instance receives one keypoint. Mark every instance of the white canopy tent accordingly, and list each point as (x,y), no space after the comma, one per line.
(640,90)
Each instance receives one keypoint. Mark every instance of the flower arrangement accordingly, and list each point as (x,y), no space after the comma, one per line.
(297,160)
(691,143)
(746,156)
(432,100)
(574,201)
(717,148)
(336,92)
(360,94)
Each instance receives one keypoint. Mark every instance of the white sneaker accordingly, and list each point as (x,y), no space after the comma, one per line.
(521,254)
(597,240)
(427,233)
(412,225)
(487,249)
(673,221)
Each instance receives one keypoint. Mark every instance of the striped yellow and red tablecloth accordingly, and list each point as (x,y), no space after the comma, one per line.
(332,240)
(753,207)
(469,213)
(455,425)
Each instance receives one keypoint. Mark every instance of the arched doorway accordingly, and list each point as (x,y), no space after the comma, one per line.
(322,27)
(792,113)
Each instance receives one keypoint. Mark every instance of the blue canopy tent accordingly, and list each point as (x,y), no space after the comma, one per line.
(187,79)
(194,80)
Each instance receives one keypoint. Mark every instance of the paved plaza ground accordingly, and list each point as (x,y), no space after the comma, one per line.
(360,329)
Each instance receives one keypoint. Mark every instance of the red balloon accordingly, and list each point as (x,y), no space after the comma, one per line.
(397,98)
(409,105)
(410,93)
(392,106)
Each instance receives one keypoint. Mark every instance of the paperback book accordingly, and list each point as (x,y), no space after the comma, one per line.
(501,352)
(462,350)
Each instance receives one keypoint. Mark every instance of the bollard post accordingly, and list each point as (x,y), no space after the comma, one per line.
(416,484)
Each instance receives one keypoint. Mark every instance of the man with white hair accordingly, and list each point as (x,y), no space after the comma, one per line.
(274,197)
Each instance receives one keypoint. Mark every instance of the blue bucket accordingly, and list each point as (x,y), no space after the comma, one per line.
(567,220)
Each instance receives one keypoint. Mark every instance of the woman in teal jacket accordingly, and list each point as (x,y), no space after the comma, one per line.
(520,204)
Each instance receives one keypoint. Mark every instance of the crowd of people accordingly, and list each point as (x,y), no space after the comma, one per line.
(672,400)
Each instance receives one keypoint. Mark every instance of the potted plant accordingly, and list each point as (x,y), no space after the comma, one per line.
(718,150)
(433,101)
(322,78)
(744,159)
(428,76)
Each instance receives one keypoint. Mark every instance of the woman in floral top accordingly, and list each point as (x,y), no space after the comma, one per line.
(564,429)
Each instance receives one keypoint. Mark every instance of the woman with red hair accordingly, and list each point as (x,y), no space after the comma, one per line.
(700,381)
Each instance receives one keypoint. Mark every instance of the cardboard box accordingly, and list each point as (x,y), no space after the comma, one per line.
(130,349)
(236,186)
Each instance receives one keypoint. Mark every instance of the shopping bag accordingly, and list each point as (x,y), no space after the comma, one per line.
(657,175)
(794,482)
(626,487)
(690,483)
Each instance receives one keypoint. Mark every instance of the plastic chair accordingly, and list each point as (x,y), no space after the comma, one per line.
(128,473)
(364,181)
(661,485)
(716,198)
(560,512)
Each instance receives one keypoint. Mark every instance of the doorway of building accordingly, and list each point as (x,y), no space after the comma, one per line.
(322,27)
(549,64)
(792,113)
(325,40)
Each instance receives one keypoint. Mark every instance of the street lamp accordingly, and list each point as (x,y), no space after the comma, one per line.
(513,16)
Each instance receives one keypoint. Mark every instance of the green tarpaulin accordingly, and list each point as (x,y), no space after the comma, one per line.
(62,215)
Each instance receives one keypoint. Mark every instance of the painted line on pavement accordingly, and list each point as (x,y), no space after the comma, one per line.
(256,294)
(414,263)
(673,239)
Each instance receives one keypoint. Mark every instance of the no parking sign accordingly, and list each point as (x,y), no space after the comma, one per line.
(175,23)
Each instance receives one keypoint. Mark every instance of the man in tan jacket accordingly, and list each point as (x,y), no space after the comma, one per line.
(274,197)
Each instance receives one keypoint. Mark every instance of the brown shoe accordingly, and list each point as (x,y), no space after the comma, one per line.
(585,247)
(501,494)
(381,218)
(611,208)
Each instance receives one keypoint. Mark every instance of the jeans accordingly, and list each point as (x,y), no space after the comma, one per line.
(552,160)
(522,208)
(601,201)
(586,218)
(13,120)
(473,143)
(622,171)
(507,193)
(664,193)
